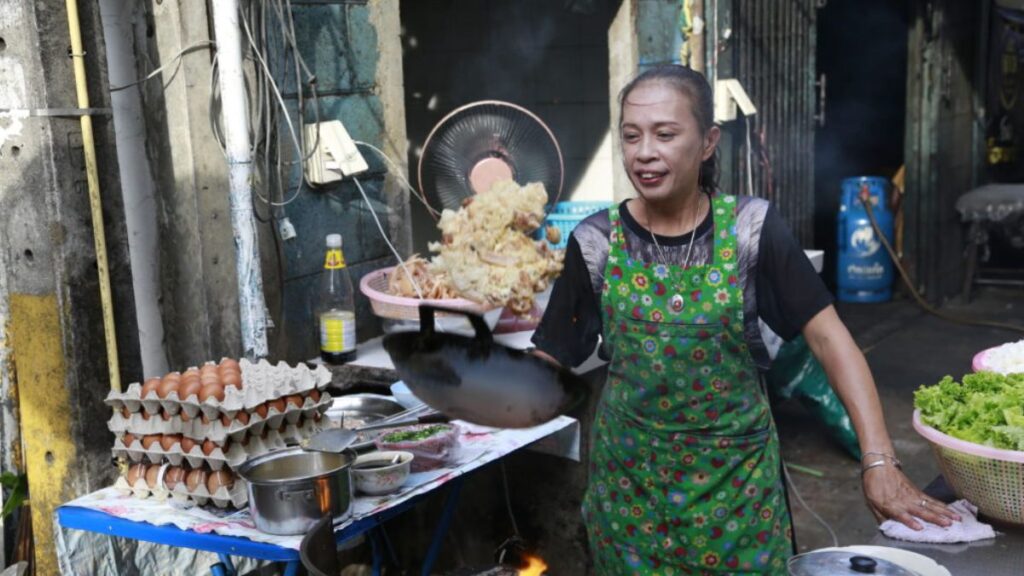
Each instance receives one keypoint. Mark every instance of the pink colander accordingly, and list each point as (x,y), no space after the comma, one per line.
(990,478)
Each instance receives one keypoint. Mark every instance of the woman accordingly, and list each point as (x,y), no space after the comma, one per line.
(685,473)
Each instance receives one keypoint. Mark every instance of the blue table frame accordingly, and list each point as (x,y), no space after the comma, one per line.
(226,546)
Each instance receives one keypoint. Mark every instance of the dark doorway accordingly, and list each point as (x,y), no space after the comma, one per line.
(862,52)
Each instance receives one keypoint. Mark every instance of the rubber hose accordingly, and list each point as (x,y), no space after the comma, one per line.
(917,296)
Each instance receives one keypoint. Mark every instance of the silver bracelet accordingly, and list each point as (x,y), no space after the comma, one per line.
(876,464)
(896,461)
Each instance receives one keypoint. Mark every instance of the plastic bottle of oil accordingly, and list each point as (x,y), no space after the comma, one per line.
(335,312)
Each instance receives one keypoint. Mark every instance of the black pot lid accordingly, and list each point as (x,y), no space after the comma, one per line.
(843,563)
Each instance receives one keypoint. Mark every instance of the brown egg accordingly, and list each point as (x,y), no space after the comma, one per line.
(316,416)
(211,391)
(135,472)
(184,416)
(278,404)
(209,446)
(261,410)
(204,419)
(230,364)
(151,475)
(165,416)
(315,395)
(195,479)
(149,386)
(128,438)
(167,385)
(242,417)
(173,476)
(225,420)
(145,415)
(192,371)
(125,412)
(189,388)
(209,378)
(294,400)
(187,444)
(232,379)
(169,440)
(148,441)
(218,479)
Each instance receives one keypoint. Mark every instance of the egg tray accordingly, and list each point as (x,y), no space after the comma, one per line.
(235,497)
(261,382)
(215,429)
(236,454)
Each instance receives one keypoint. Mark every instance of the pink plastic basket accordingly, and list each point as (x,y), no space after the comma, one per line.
(375,286)
(978,362)
(990,478)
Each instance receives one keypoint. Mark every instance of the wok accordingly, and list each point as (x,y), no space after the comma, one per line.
(475,379)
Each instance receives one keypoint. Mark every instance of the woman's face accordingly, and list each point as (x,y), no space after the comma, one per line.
(662,145)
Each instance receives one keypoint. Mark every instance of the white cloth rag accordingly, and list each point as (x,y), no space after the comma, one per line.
(968,529)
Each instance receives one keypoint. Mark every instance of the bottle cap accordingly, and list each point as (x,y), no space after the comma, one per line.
(334,240)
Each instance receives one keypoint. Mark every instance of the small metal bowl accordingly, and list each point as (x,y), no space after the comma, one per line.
(377,473)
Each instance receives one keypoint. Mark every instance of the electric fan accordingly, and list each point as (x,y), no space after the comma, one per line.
(484,142)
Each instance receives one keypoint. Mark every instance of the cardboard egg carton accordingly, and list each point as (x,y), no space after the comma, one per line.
(238,451)
(236,497)
(261,382)
(220,426)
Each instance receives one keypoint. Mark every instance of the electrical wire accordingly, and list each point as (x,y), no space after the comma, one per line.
(174,60)
(508,500)
(864,199)
(380,228)
(398,174)
(800,499)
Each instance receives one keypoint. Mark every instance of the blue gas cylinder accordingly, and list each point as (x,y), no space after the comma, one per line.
(864,267)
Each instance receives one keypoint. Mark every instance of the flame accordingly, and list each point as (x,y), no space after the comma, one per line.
(535,566)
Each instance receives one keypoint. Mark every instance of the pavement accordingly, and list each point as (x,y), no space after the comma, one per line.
(905,348)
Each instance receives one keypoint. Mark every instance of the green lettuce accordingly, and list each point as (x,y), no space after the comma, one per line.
(987,408)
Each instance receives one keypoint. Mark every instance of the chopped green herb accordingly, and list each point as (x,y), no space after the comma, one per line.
(410,435)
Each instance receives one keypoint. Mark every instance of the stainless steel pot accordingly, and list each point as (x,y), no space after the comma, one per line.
(291,489)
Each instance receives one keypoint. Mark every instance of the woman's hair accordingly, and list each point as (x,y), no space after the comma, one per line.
(692,84)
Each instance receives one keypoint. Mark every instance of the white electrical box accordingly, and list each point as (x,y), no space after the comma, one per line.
(730,95)
(336,155)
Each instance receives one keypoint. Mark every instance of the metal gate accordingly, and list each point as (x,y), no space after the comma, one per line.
(770,47)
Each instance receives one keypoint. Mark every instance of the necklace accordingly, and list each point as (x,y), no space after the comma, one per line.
(689,247)
(676,302)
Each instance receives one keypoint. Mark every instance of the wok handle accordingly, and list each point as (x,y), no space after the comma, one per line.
(483,333)
(436,418)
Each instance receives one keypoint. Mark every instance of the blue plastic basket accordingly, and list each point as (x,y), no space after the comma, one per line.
(566,215)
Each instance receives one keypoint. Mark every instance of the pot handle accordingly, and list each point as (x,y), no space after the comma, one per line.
(308,495)
(483,333)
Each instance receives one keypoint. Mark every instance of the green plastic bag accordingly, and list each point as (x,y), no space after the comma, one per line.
(796,373)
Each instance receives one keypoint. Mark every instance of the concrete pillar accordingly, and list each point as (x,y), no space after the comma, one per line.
(51,305)
(198,287)
(623,63)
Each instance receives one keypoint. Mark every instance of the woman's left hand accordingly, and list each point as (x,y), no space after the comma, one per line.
(890,494)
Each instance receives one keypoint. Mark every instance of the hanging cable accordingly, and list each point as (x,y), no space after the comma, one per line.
(398,174)
(380,228)
(174,60)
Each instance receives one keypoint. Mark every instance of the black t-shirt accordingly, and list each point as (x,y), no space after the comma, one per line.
(786,295)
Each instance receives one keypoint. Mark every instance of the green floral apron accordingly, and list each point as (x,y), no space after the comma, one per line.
(684,464)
